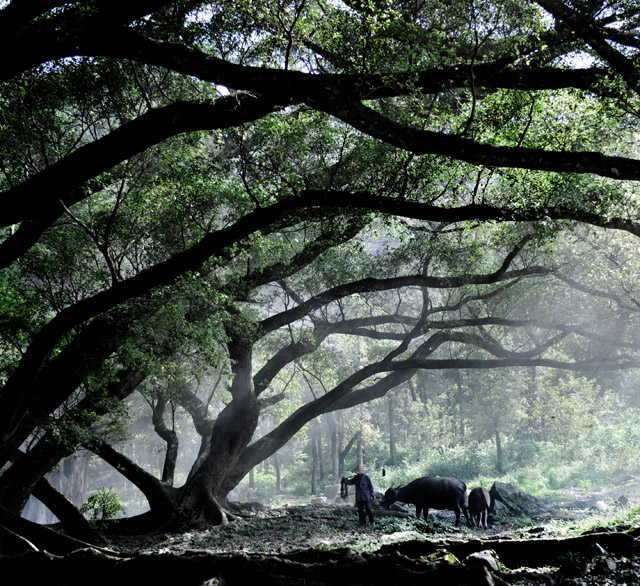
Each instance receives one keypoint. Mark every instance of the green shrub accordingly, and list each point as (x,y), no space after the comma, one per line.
(102,505)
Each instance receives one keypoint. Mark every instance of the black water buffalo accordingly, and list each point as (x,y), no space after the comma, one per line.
(431,492)
(479,504)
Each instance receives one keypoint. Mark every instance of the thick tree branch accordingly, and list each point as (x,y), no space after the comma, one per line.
(39,198)
(73,520)
(590,365)
(586,28)
(479,212)
(371,284)
(425,142)
(158,494)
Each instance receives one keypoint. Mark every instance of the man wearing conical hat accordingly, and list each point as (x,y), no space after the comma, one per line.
(364,493)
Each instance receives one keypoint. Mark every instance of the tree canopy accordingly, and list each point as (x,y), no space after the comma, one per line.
(237,194)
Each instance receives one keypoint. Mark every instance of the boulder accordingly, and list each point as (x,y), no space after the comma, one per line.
(378,495)
(486,558)
(510,499)
(331,491)
(600,507)
(622,502)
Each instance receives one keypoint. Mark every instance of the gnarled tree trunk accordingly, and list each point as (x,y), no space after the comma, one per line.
(204,496)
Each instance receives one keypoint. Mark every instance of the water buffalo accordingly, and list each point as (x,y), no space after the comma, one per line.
(431,492)
(479,504)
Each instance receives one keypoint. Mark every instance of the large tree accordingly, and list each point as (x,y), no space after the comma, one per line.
(172,170)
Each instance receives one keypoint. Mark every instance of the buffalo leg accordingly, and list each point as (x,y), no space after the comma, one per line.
(465,510)
(456,510)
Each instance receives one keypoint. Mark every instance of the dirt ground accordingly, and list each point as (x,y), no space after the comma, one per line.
(300,525)
(290,528)
(584,546)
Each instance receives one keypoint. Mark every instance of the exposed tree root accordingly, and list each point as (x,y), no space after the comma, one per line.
(525,553)
(404,563)
(19,535)
(330,568)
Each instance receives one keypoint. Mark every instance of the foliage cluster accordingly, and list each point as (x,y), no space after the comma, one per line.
(103,505)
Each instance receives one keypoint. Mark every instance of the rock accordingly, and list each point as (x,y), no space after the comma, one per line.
(600,506)
(564,515)
(593,560)
(622,502)
(320,500)
(399,507)
(399,537)
(515,501)
(442,556)
(498,508)
(486,558)
(250,507)
(331,491)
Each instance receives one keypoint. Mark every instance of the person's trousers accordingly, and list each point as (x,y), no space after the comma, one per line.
(364,509)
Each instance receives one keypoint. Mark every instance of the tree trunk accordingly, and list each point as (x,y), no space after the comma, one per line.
(360,450)
(27,535)
(170,437)
(204,496)
(230,457)
(18,482)
(160,496)
(393,457)
(320,456)
(316,454)
(460,401)
(34,389)
(541,430)
(499,461)
(276,465)
(332,424)
(344,453)
(412,390)
(314,465)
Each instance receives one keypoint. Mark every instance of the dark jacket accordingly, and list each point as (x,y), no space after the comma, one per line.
(364,487)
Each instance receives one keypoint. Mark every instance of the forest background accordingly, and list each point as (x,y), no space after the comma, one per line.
(574,442)
(248,244)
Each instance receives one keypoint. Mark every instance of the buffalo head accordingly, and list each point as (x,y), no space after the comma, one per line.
(390,497)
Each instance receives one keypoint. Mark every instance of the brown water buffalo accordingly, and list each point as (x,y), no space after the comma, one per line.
(479,505)
(431,492)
